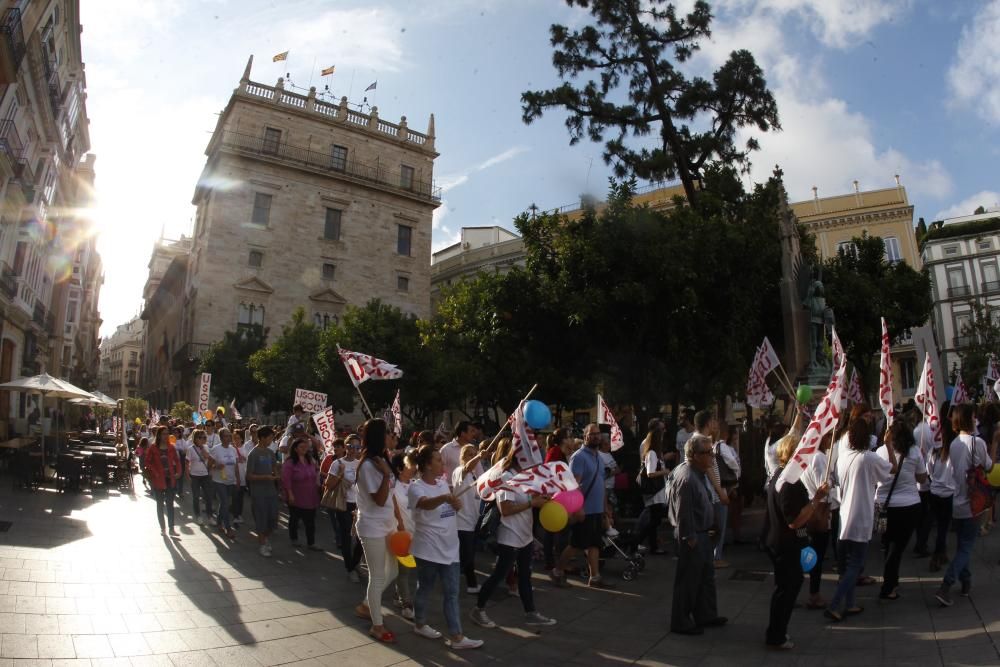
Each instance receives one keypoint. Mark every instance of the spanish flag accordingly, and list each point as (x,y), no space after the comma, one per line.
(328,71)
(280,56)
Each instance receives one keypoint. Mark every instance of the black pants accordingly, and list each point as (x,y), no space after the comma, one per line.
(165,505)
(236,507)
(350,548)
(819,542)
(694,600)
(308,517)
(900,524)
(650,528)
(787,584)
(507,557)
(467,556)
(941,507)
(553,545)
(925,521)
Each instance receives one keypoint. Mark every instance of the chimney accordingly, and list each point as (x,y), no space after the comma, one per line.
(857,192)
(816,199)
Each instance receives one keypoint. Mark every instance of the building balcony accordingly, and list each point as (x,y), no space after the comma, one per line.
(55,93)
(25,178)
(323,162)
(10,143)
(962,342)
(959,290)
(8,281)
(12,47)
(991,286)
(187,356)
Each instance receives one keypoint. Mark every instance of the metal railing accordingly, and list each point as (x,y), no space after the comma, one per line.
(962,342)
(8,280)
(10,142)
(959,290)
(25,178)
(13,34)
(991,286)
(321,161)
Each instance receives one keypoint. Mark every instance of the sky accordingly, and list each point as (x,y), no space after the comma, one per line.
(866,89)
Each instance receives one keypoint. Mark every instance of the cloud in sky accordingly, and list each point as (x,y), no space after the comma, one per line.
(974,76)
(987,199)
(452,181)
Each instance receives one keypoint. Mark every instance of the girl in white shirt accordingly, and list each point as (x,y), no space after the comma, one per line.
(435,546)
(942,487)
(345,471)
(404,467)
(656,504)
(464,477)
(903,506)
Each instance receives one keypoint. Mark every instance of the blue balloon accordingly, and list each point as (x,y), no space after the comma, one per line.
(537,414)
(949,392)
(808,559)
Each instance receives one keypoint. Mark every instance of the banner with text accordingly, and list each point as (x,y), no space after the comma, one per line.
(326,428)
(311,401)
(203,392)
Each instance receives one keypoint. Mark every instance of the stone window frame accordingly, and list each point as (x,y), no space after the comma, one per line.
(260,261)
(399,240)
(403,281)
(253,211)
(326,223)
(331,275)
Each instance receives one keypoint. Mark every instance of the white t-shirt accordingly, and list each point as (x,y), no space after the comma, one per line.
(906,493)
(212,440)
(469,514)
(400,492)
(941,474)
(197,458)
(514,530)
(373,521)
(729,456)
(245,450)
(814,476)
(610,470)
(225,458)
(966,452)
(925,441)
(859,473)
(660,498)
(451,457)
(350,471)
(683,435)
(435,537)
(770,458)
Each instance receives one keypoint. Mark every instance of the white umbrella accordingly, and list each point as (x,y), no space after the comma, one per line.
(45,385)
(105,399)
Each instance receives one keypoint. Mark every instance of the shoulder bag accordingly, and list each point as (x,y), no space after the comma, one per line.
(650,486)
(979,490)
(882,511)
(335,497)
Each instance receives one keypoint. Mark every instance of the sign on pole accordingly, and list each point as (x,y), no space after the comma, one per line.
(203,392)
(325,426)
(311,401)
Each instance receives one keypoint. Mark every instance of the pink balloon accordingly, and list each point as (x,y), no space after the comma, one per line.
(571,500)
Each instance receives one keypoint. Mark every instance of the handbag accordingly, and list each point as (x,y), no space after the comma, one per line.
(979,490)
(335,498)
(881,522)
(650,486)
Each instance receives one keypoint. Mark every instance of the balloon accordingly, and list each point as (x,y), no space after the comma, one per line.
(407,561)
(138,421)
(173,440)
(553,516)
(208,414)
(221,409)
(949,392)
(537,414)
(399,543)
(571,500)
(994,476)
(808,559)
(804,394)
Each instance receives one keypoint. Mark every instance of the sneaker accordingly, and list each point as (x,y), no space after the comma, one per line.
(943,596)
(200,520)
(269,549)
(409,615)
(237,521)
(472,590)
(173,532)
(465,643)
(534,618)
(480,618)
(558,578)
(427,632)
(263,551)
(353,577)
(787,646)
(513,592)
(611,532)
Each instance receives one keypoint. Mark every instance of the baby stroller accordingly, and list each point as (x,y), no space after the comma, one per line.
(624,545)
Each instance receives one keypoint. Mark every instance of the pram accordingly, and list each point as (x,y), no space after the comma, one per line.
(625,546)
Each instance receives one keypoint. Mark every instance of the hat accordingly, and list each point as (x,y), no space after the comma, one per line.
(298,428)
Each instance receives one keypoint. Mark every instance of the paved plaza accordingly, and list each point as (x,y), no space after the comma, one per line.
(89,581)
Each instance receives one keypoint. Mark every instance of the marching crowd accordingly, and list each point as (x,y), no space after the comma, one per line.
(411,512)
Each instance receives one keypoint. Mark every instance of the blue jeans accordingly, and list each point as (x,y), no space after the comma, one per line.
(224,493)
(427,574)
(201,487)
(852,562)
(958,569)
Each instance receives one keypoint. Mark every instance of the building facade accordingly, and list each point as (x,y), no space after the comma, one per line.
(121,360)
(480,249)
(962,256)
(302,203)
(160,382)
(44,258)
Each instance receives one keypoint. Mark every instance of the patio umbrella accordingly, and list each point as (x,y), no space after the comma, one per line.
(105,399)
(45,385)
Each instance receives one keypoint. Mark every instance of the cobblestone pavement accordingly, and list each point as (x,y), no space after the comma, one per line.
(88,580)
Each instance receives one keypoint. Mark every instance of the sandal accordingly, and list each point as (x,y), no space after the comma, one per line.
(362,611)
(385,637)
(854,611)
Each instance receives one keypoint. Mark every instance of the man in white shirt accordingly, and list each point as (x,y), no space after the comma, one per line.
(684,432)
(451,453)
(211,435)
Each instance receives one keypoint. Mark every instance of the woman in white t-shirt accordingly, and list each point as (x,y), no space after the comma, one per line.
(344,470)
(242,452)
(376,520)
(942,488)
(967,452)
(225,479)
(859,470)
(514,545)
(404,467)
(813,478)
(656,504)
(435,546)
(464,477)
(903,506)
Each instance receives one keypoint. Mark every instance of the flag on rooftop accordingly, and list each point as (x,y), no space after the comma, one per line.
(328,71)
(281,56)
(372,86)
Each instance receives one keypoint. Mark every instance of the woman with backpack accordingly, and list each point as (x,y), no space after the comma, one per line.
(969,458)
(652,479)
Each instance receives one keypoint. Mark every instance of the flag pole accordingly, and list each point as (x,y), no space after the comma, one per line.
(787,384)
(364,403)
(503,428)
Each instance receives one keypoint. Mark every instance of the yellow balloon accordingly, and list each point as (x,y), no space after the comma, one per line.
(553,516)
(407,561)
(994,476)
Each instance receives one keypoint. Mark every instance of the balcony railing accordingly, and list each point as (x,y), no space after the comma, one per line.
(962,342)
(8,281)
(991,286)
(187,356)
(322,161)
(55,93)
(25,178)
(10,142)
(959,290)
(12,48)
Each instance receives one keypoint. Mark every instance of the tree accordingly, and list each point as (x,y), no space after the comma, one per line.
(182,410)
(289,363)
(226,360)
(136,408)
(979,210)
(862,286)
(982,338)
(637,46)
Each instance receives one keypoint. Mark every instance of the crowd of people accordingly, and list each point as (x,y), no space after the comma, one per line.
(867,485)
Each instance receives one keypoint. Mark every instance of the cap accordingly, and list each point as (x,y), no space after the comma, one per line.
(298,428)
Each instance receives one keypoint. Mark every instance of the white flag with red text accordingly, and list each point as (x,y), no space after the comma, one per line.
(604,416)
(326,427)
(885,377)
(854,390)
(837,350)
(233,412)
(546,479)
(397,416)
(926,399)
(361,367)
(766,360)
(827,415)
(960,394)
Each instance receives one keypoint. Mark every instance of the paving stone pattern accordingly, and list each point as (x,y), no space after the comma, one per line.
(89,581)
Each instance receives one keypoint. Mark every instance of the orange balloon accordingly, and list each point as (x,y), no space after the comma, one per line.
(173,440)
(209,414)
(399,543)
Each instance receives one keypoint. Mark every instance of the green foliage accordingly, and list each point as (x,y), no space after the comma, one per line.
(921,232)
(973,228)
(182,410)
(862,286)
(983,335)
(289,363)
(634,52)
(227,359)
(136,408)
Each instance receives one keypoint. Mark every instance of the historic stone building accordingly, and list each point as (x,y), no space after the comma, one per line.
(121,360)
(160,380)
(50,275)
(302,203)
